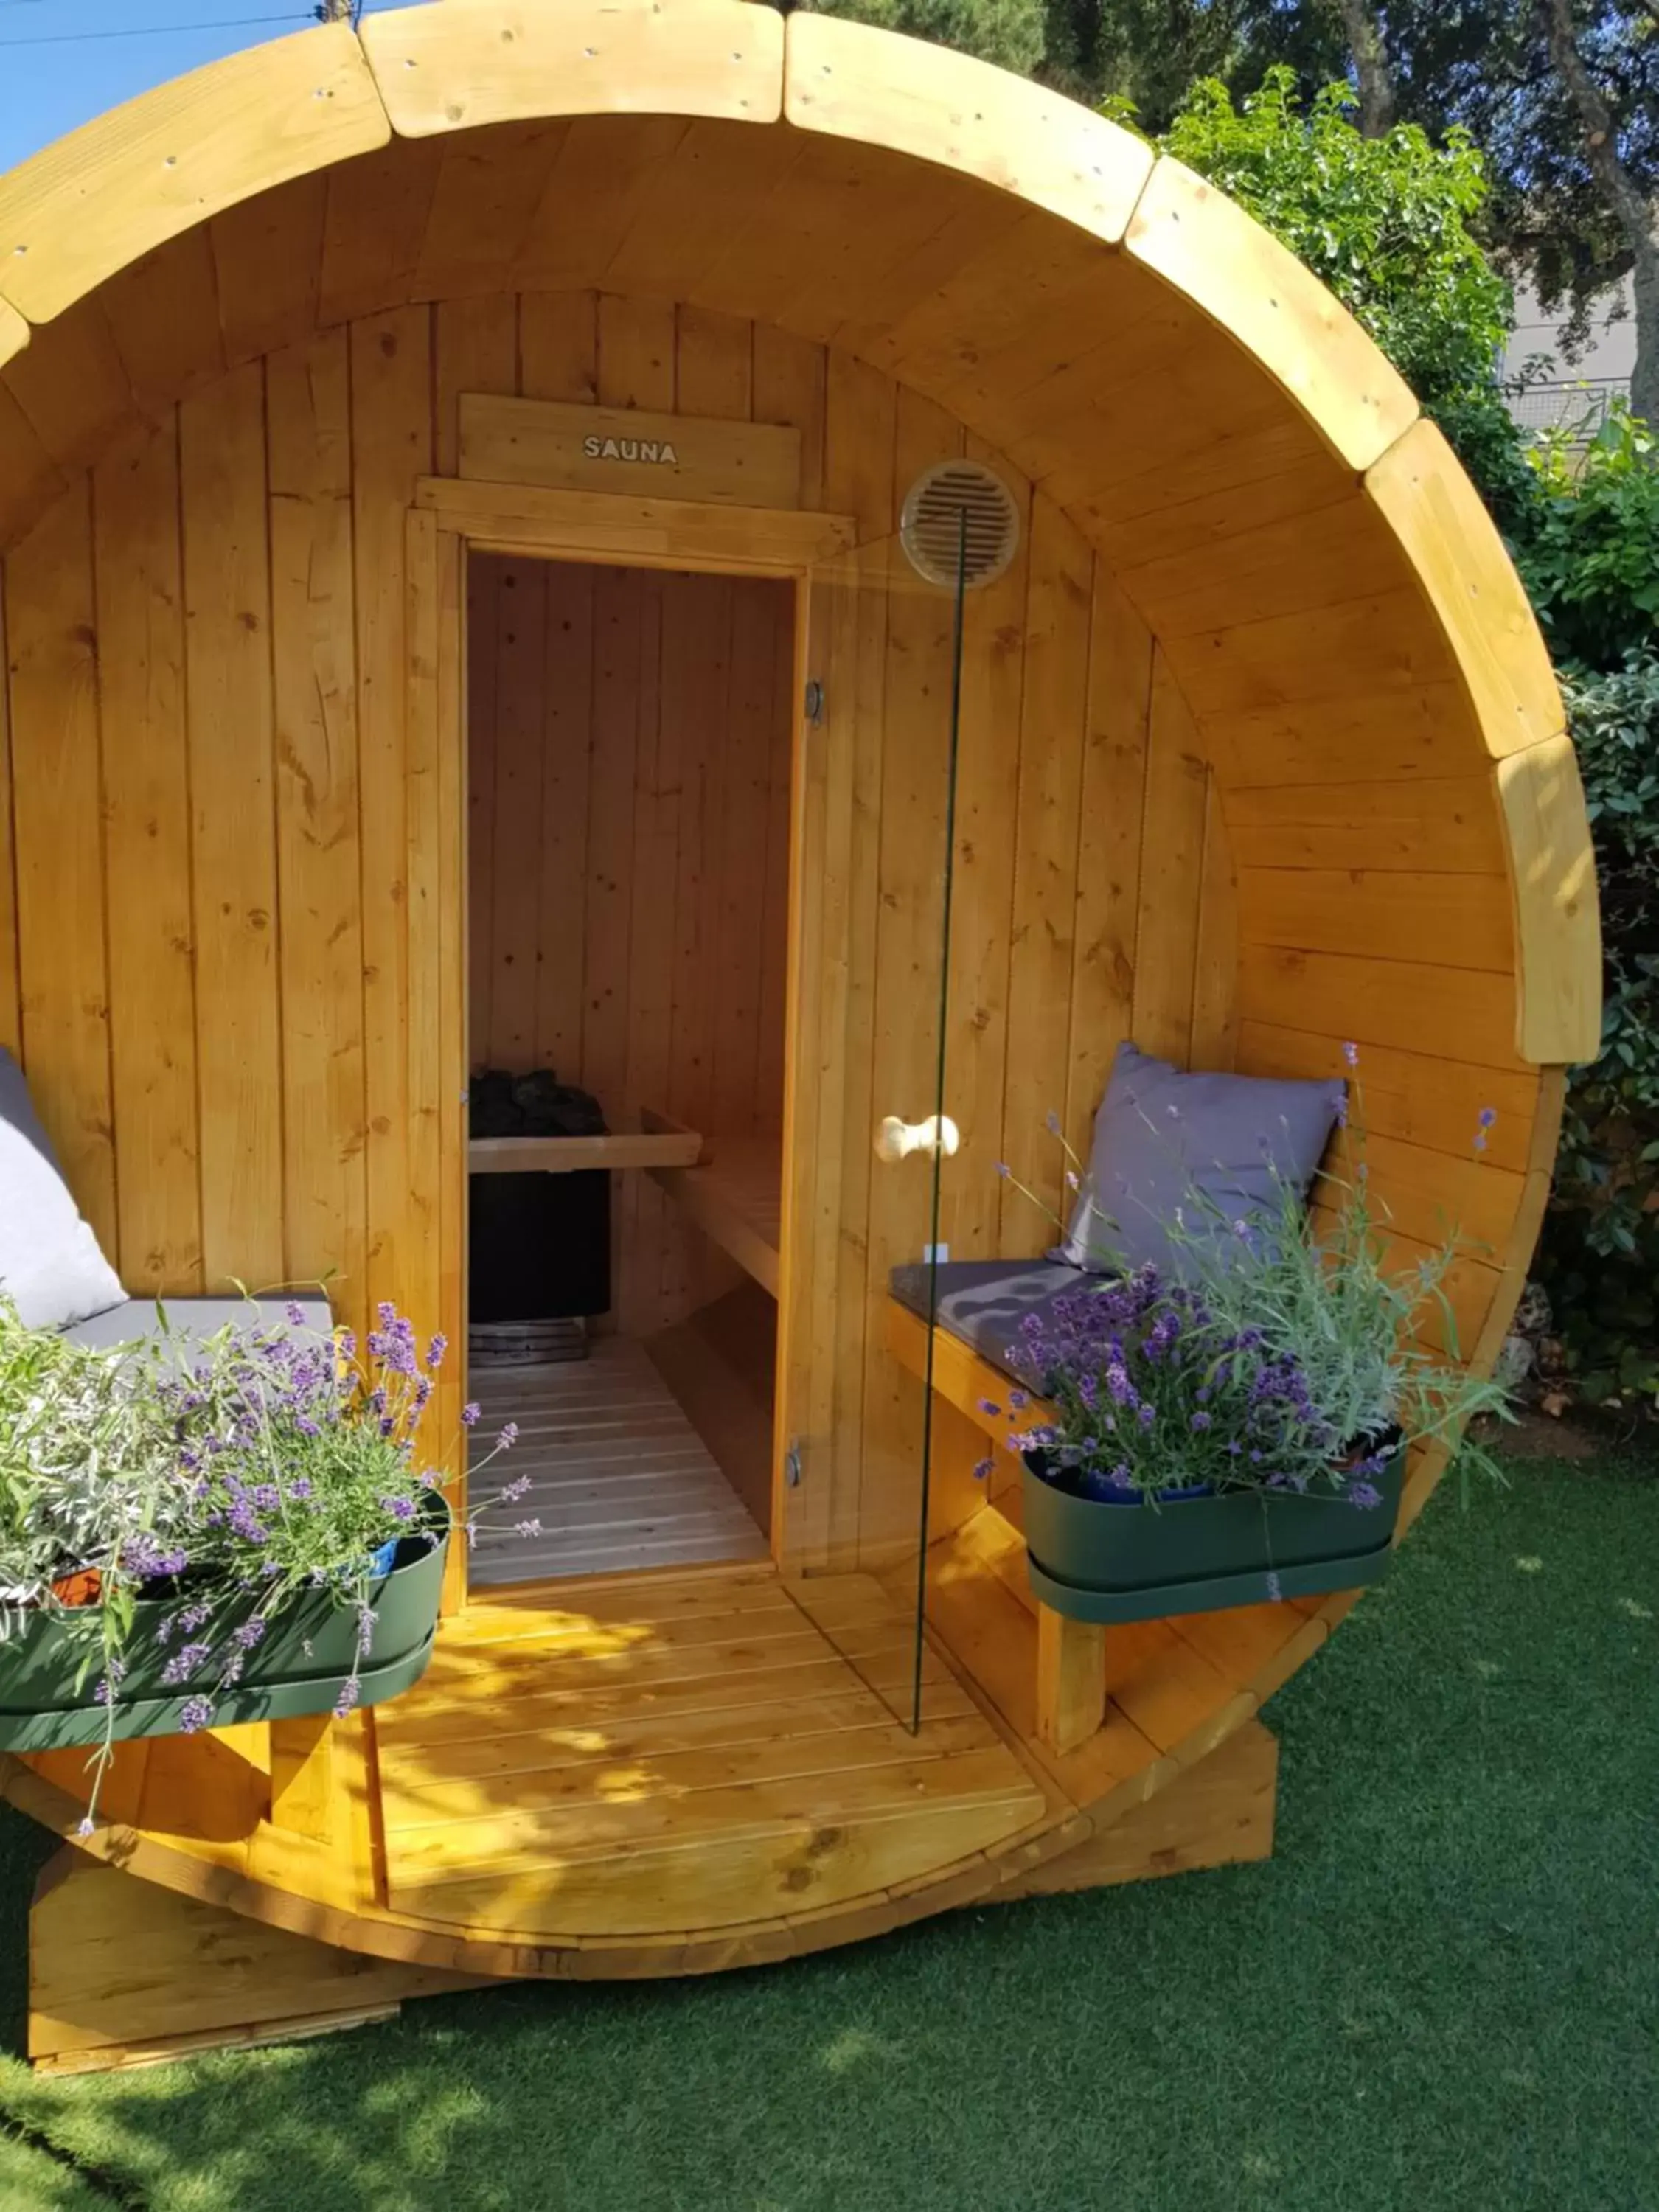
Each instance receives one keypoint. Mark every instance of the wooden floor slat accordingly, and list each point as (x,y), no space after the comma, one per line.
(708,1731)
(618,1477)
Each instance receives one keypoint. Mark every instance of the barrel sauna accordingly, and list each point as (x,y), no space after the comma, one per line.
(452,480)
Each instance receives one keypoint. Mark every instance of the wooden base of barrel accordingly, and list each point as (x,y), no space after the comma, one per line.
(123,1973)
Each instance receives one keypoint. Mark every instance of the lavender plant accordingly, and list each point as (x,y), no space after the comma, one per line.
(1365,1330)
(1293,1353)
(225,1480)
(306,1464)
(88,1478)
(1149,1389)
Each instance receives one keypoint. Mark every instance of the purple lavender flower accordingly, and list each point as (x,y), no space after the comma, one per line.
(299,1487)
(401,1508)
(249,1635)
(144,1556)
(346,1703)
(990,1405)
(436,1351)
(471,1414)
(520,1487)
(188,1659)
(1351,1053)
(296,1313)
(527,1528)
(984,1469)
(508,1437)
(1365,1494)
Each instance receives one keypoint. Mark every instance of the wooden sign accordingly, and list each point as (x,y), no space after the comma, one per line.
(615,449)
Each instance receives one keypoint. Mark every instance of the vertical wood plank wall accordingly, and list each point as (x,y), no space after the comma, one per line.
(632,741)
(689,841)
(223,989)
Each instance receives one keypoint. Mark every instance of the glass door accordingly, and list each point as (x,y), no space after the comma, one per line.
(868,1126)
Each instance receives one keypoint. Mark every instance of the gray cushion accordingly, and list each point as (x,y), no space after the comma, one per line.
(190,1321)
(986,1302)
(1162,1135)
(51,1267)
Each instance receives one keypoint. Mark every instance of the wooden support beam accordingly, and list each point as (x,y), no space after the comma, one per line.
(1218,1813)
(1071,1688)
(124,1973)
(322,1789)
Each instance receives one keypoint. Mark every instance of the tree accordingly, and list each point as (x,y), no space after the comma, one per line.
(1635,211)
(1144,55)
(1367,43)
(1009,33)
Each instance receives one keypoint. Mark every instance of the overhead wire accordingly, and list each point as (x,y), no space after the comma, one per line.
(295,18)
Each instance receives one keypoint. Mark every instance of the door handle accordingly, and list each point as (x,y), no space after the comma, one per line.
(895,1139)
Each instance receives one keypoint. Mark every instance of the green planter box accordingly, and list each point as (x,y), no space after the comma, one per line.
(298,1667)
(1095,1561)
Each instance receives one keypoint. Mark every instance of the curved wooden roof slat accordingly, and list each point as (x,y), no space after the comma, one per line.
(1460,562)
(125,182)
(473,62)
(1225,262)
(852,81)
(1558,926)
(14,333)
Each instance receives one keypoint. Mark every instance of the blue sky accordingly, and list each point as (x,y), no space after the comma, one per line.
(64,61)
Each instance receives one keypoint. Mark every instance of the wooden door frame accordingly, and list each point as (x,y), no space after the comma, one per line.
(451,519)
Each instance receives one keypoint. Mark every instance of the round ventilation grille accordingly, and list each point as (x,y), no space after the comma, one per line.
(959,511)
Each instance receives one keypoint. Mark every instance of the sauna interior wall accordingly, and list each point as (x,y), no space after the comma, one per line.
(1269,829)
(630,753)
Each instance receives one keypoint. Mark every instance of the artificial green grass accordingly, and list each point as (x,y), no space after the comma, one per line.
(1442,1991)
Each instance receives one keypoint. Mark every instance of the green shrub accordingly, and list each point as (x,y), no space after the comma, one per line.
(1600,1257)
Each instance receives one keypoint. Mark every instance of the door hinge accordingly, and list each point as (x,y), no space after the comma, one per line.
(792,1466)
(814,702)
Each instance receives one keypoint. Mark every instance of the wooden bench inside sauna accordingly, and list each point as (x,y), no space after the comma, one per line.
(468,601)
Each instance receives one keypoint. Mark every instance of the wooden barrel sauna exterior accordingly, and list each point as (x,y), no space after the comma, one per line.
(1261,750)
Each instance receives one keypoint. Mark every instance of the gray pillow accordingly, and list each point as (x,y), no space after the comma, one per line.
(51,1267)
(1161,1134)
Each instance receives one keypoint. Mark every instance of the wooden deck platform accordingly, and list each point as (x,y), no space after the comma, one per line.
(619,1477)
(689,1756)
(643,1775)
